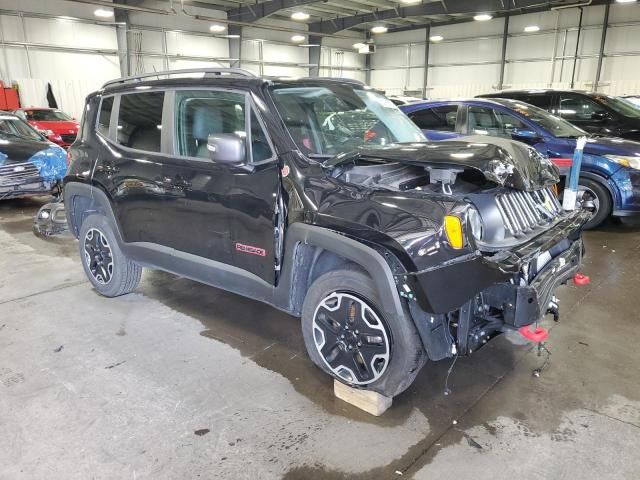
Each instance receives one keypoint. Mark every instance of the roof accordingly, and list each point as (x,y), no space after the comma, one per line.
(228,77)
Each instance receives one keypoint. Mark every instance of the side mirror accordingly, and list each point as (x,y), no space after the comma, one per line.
(600,116)
(526,136)
(227,148)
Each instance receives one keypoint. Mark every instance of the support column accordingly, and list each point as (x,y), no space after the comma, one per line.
(603,39)
(122,16)
(315,55)
(367,65)
(503,60)
(427,46)
(575,56)
(235,46)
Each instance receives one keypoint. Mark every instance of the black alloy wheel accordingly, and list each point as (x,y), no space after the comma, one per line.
(351,338)
(98,256)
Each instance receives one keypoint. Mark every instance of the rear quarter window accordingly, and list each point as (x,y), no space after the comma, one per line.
(140,121)
(104,116)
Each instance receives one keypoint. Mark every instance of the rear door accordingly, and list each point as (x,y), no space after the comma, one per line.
(130,161)
(437,123)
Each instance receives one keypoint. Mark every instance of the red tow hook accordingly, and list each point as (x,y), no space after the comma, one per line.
(538,335)
(581,279)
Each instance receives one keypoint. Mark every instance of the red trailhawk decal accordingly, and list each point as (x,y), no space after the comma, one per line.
(241,247)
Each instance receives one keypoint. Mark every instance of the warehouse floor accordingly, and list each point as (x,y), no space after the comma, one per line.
(181,380)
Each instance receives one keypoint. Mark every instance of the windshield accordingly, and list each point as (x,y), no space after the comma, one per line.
(331,119)
(47,116)
(13,127)
(554,125)
(618,105)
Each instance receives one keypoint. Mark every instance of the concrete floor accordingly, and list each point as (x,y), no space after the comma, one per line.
(179,380)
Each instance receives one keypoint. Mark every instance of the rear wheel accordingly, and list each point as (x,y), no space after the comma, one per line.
(109,271)
(349,338)
(595,198)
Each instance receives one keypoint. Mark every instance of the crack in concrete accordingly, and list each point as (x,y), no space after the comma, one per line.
(54,289)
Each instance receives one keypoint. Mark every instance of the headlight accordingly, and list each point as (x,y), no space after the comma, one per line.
(625,161)
(475,221)
(46,133)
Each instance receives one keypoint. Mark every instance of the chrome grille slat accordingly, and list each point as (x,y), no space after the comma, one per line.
(524,212)
(28,173)
(525,208)
(511,215)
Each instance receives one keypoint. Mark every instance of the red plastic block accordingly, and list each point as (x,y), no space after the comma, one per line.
(538,335)
(580,279)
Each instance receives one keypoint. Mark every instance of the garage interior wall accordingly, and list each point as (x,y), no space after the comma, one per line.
(40,43)
(468,61)
(77,54)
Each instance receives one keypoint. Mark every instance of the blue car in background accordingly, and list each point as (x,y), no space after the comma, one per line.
(29,163)
(610,175)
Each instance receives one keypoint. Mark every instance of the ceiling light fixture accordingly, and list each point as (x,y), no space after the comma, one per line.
(482,17)
(299,16)
(379,29)
(410,1)
(436,38)
(298,38)
(625,1)
(358,45)
(217,28)
(531,28)
(103,13)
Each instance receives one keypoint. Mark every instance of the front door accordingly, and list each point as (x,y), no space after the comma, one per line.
(585,113)
(437,123)
(216,211)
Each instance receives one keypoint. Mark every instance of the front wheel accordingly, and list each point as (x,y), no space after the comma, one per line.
(109,271)
(348,337)
(595,198)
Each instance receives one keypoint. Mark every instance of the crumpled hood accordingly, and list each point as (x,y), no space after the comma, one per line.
(505,162)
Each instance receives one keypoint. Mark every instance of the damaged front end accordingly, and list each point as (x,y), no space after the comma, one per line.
(516,244)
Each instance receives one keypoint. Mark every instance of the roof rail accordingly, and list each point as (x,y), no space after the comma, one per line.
(208,72)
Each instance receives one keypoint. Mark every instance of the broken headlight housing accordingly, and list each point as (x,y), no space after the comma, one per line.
(475,222)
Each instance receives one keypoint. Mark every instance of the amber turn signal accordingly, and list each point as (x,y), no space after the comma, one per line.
(453,228)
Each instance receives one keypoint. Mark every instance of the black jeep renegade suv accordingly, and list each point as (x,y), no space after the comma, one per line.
(320,198)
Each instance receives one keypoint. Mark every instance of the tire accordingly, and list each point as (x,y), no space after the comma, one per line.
(601,200)
(109,271)
(391,368)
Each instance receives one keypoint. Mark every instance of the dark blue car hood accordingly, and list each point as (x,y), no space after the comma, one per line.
(611,146)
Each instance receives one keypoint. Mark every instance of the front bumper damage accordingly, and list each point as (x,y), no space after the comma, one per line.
(50,220)
(462,305)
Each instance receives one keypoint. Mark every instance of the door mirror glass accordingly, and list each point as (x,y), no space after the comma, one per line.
(227,148)
(527,136)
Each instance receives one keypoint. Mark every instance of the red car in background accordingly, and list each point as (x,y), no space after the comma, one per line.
(54,124)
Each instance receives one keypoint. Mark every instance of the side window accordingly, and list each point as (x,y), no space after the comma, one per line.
(200,113)
(539,100)
(140,121)
(578,107)
(259,144)
(104,117)
(437,118)
(487,121)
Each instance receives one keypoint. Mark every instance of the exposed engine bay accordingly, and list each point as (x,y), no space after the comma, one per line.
(403,177)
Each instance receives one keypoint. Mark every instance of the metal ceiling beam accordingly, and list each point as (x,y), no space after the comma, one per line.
(252,13)
(451,7)
(541,7)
